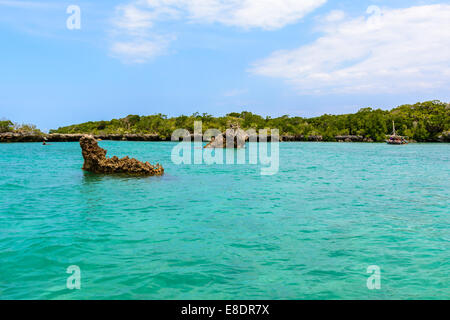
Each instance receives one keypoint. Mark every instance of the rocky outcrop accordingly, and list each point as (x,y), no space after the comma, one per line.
(130,137)
(315,138)
(234,133)
(59,137)
(295,138)
(343,138)
(21,137)
(298,138)
(444,137)
(352,138)
(74,137)
(95,160)
(349,138)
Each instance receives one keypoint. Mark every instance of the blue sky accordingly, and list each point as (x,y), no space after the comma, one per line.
(271,57)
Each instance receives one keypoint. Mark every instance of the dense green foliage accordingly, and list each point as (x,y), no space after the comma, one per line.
(421,122)
(6,126)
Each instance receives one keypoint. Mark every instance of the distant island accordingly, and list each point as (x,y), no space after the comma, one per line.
(422,122)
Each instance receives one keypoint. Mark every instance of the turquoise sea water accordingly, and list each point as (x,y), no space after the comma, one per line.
(226,232)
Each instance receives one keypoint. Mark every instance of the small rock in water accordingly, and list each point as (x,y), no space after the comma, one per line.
(95,160)
(235,134)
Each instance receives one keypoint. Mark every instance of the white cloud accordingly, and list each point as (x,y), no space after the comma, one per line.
(133,38)
(136,16)
(265,14)
(136,19)
(334,16)
(129,17)
(139,51)
(390,51)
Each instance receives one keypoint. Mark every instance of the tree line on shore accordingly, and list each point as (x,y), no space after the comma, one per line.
(9,126)
(424,121)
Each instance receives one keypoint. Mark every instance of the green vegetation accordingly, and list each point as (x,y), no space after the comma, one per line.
(9,126)
(6,126)
(421,122)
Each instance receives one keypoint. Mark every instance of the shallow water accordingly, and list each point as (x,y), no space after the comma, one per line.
(225,231)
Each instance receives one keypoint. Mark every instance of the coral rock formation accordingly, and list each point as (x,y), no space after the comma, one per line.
(235,133)
(444,137)
(95,160)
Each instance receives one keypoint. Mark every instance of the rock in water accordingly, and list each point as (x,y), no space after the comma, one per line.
(95,160)
(235,135)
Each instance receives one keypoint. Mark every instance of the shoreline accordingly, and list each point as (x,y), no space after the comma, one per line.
(12,137)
